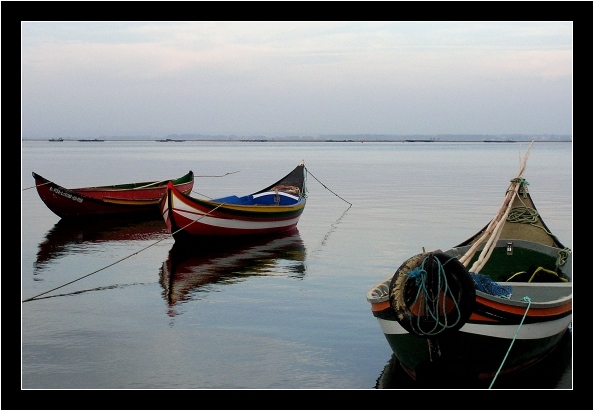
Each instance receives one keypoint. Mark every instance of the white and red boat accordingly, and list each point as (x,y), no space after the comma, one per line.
(274,209)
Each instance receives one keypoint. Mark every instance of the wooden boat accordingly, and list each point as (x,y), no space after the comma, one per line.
(492,305)
(274,209)
(133,199)
(190,270)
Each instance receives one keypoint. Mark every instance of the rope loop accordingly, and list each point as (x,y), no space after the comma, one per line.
(432,294)
(562,257)
(525,215)
(522,215)
(431,299)
(523,189)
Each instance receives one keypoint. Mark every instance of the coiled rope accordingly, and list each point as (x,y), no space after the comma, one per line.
(431,302)
(525,215)
(525,299)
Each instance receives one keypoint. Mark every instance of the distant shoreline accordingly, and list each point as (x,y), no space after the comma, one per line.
(288,140)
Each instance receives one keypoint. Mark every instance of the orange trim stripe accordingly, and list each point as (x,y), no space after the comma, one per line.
(478,317)
(380,306)
(536,312)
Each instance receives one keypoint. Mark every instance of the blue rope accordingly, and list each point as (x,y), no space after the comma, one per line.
(485,284)
(432,304)
(514,339)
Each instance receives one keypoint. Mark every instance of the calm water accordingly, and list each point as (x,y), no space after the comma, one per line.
(289,313)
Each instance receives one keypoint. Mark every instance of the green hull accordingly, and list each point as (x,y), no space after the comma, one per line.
(467,356)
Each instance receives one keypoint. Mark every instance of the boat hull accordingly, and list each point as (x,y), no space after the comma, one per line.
(467,356)
(474,353)
(266,212)
(501,336)
(495,304)
(200,219)
(135,199)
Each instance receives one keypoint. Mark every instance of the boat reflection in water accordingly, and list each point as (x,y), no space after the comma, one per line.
(190,267)
(553,371)
(68,237)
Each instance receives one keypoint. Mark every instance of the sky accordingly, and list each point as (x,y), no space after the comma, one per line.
(101,79)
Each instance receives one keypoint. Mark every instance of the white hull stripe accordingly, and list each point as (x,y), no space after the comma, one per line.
(237,224)
(527,331)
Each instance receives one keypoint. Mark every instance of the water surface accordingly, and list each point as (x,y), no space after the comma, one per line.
(267,316)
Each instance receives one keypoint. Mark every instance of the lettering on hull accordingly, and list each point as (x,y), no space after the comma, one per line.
(67,195)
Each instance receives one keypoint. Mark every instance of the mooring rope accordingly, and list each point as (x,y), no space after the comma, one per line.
(525,299)
(330,231)
(107,287)
(121,259)
(151,184)
(308,172)
(37,185)
(222,175)
(94,272)
(148,185)
(151,245)
(333,225)
(200,194)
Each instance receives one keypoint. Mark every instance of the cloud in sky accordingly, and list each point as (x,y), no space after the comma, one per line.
(89,79)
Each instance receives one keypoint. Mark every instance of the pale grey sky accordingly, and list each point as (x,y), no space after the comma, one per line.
(90,79)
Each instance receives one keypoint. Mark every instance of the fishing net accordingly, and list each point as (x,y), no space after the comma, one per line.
(485,284)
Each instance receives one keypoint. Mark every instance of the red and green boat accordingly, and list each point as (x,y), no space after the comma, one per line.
(131,199)
(492,305)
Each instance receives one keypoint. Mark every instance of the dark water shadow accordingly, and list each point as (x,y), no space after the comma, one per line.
(552,372)
(68,237)
(196,267)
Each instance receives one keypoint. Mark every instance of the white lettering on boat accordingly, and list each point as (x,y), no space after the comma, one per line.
(67,195)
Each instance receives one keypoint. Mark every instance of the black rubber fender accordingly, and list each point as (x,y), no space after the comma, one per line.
(404,291)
